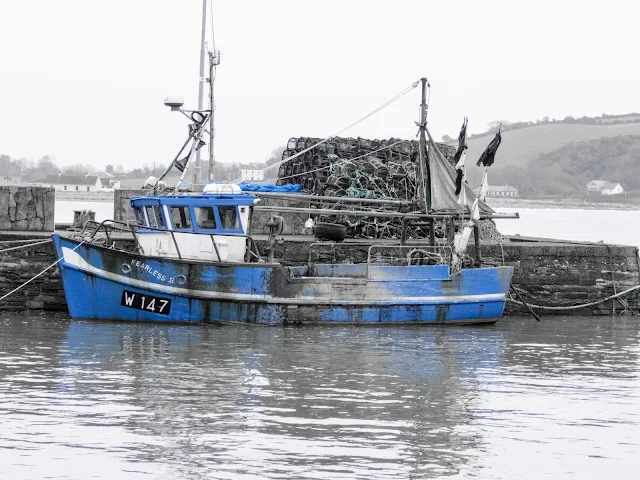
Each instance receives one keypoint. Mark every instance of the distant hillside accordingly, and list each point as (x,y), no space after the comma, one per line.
(568,169)
(521,147)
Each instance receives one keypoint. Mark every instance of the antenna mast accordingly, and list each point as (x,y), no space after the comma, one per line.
(196,175)
(214,61)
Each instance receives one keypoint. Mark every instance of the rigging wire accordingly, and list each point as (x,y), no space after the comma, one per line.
(373,112)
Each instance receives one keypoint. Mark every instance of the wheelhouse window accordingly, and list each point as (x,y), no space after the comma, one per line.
(154,214)
(181,218)
(205,218)
(229,217)
(139,216)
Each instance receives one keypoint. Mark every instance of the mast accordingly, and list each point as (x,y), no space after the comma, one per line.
(423,194)
(196,175)
(214,60)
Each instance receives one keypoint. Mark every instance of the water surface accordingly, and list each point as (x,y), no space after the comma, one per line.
(519,399)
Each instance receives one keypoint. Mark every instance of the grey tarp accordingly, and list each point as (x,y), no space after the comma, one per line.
(443,184)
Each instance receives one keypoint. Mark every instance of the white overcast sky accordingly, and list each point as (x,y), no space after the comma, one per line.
(84,80)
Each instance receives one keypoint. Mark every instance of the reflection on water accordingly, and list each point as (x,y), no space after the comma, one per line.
(109,400)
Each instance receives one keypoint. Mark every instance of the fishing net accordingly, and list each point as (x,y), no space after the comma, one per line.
(360,168)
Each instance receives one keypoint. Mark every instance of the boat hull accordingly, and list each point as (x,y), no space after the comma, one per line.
(102,283)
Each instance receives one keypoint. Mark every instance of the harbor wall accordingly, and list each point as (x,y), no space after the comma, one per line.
(45,293)
(27,208)
(122,211)
(547,273)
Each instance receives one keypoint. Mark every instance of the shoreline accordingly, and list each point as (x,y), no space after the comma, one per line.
(569,203)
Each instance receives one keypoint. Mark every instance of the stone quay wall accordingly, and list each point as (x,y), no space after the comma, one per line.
(45,293)
(563,274)
(122,211)
(27,208)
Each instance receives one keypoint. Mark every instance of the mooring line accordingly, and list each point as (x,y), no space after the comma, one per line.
(36,276)
(41,242)
(20,241)
(583,305)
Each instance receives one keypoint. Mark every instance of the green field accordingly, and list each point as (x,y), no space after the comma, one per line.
(520,147)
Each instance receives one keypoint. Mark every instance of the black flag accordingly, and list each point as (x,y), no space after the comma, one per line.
(489,155)
(182,163)
(462,142)
(459,179)
(458,159)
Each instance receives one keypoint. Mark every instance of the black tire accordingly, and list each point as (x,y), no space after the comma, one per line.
(330,231)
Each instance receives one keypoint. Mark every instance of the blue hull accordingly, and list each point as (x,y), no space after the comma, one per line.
(102,283)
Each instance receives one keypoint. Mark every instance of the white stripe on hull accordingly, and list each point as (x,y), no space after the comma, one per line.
(73,259)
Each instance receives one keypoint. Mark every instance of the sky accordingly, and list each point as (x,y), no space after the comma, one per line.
(84,80)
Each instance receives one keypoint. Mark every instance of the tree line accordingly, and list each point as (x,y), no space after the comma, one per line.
(506,125)
(32,170)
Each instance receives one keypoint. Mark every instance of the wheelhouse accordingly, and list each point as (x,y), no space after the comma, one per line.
(210,227)
(220,214)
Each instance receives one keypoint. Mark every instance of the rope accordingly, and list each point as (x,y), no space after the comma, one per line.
(36,276)
(20,241)
(583,305)
(25,246)
(373,112)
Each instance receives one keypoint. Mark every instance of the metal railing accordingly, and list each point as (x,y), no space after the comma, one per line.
(410,255)
(332,245)
(108,227)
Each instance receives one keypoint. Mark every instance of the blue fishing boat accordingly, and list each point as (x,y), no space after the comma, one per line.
(189,256)
(192,260)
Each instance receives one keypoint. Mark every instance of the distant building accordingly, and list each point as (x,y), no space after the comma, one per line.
(612,189)
(595,186)
(87,183)
(604,187)
(249,173)
(502,191)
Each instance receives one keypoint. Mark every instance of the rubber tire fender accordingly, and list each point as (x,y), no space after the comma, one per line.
(330,231)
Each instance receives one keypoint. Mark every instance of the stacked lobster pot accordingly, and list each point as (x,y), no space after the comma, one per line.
(356,168)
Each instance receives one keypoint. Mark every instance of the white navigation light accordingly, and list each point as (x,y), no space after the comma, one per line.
(174,102)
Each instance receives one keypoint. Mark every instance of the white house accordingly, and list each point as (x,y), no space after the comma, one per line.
(595,186)
(251,174)
(611,189)
(87,183)
(502,191)
(604,187)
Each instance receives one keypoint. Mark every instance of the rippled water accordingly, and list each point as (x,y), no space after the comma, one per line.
(126,401)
